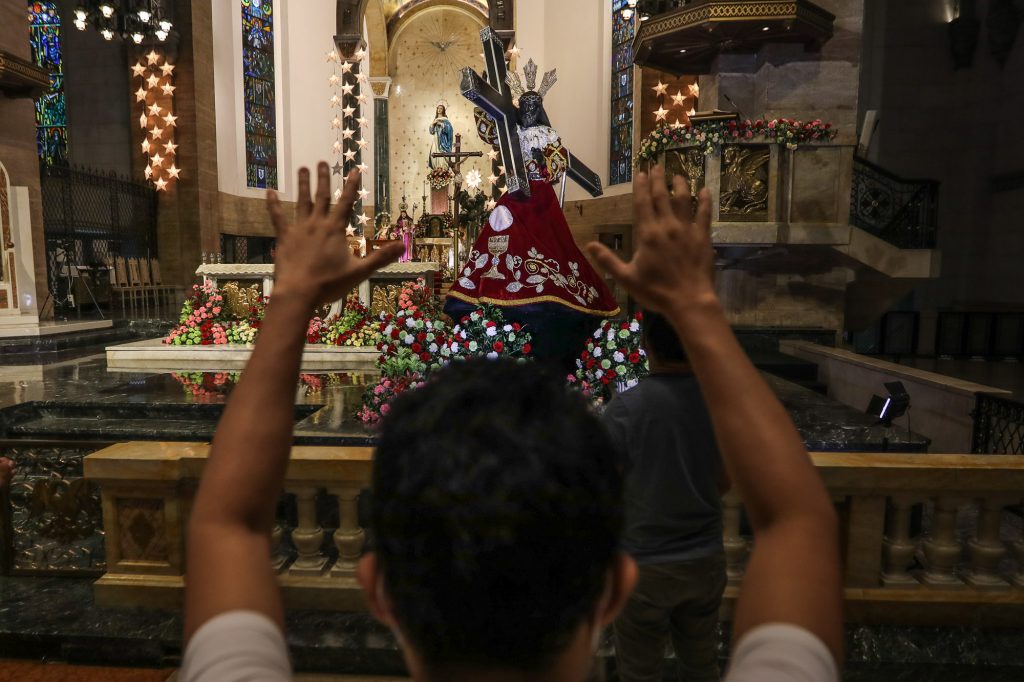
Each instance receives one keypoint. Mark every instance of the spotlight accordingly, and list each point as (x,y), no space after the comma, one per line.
(891,407)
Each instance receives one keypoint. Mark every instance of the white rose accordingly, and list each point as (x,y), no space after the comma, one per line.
(619,357)
(409,339)
(507,328)
(492,331)
(634,326)
(597,352)
(433,348)
(492,356)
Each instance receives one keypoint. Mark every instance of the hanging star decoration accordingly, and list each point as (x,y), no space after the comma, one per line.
(337,194)
(347,89)
(347,133)
(493,179)
(363,219)
(336,147)
(346,67)
(694,90)
(348,111)
(334,80)
(491,204)
(362,143)
(350,155)
(335,123)
(363,167)
(660,89)
(679,99)
(337,168)
(349,231)
(362,194)
(361,121)
(332,56)
(155,101)
(661,113)
(493,154)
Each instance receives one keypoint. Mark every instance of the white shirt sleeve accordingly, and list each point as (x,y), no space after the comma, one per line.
(781,653)
(241,646)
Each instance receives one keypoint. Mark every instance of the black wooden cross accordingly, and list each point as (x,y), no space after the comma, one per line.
(494,96)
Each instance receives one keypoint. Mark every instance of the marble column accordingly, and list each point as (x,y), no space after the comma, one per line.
(382,195)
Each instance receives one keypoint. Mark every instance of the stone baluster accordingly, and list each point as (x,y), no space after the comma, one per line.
(278,557)
(308,536)
(898,547)
(941,547)
(987,548)
(350,539)
(735,544)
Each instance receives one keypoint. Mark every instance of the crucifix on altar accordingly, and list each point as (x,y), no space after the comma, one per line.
(455,159)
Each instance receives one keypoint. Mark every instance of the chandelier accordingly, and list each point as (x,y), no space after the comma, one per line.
(134,20)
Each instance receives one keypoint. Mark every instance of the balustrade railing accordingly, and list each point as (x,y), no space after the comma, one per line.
(918,531)
(899,211)
(998,426)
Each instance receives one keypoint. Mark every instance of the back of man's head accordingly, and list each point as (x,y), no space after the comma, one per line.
(496,515)
(660,340)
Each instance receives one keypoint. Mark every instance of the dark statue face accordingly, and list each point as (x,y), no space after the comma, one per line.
(529,109)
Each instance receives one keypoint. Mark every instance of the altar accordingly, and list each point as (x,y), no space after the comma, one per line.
(380,292)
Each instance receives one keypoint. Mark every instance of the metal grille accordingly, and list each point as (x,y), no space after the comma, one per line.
(89,218)
(998,426)
(899,211)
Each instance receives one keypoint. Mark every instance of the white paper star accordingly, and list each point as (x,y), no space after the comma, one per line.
(171,120)
(350,155)
(492,178)
(691,112)
(361,98)
(362,143)
(491,204)
(348,88)
(347,133)
(333,80)
(156,160)
(694,89)
(148,172)
(168,89)
(157,132)
(679,99)
(138,69)
(362,219)
(474,179)
(335,123)
(362,121)
(167,69)
(143,120)
(660,89)
(346,67)
(349,231)
(140,95)
(332,56)
(170,148)
(161,185)
(154,109)
(336,147)
(661,113)
(515,51)
(493,155)
(334,101)
(152,57)
(174,171)
(363,168)
(360,54)
(363,77)
(362,194)
(153,80)
(348,111)
(145,146)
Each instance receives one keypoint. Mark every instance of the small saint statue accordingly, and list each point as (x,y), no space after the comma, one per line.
(405,228)
(444,135)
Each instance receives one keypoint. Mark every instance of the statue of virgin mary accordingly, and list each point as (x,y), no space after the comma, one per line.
(443,134)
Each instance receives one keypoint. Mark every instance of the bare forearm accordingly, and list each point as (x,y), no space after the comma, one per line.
(764,455)
(242,481)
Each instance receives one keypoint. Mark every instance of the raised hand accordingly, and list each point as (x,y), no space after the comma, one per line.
(673,266)
(313,259)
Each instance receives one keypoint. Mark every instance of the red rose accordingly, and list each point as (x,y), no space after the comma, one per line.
(586,355)
(624,325)
(604,380)
(421,337)
(634,358)
(466,345)
(498,346)
(590,363)
(417,348)
(527,349)
(640,317)
(516,326)
(425,357)
(465,319)
(491,324)
(394,333)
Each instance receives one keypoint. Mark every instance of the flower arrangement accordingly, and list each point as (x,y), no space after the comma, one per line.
(411,332)
(377,400)
(204,386)
(484,332)
(200,322)
(440,177)
(711,135)
(612,361)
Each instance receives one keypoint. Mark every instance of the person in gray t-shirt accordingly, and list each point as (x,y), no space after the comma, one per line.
(674,482)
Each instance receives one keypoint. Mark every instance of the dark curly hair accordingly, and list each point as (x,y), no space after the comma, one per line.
(496,515)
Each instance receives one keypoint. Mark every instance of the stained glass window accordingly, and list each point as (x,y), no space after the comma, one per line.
(51,116)
(259,93)
(622,92)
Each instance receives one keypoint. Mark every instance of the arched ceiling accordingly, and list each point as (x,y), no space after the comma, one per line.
(395,9)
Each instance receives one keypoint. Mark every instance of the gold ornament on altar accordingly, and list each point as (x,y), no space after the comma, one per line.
(238,300)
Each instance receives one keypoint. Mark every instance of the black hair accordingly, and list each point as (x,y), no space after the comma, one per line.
(496,515)
(659,339)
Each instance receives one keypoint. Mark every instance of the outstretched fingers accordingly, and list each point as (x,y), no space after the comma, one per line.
(304,201)
(610,263)
(682,201)
(343,210)
(659,192)
(276,213)
(323,189)
(375,260)
(643,209)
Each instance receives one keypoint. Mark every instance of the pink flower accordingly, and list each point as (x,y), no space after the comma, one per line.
(384,409)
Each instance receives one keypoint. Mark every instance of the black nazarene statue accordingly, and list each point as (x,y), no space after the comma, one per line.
(525,260)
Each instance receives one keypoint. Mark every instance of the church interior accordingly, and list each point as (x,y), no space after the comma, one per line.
(865,237)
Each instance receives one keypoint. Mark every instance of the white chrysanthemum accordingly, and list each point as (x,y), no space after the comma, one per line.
(619,357)
(492,331)
(597,352)
(409,339)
